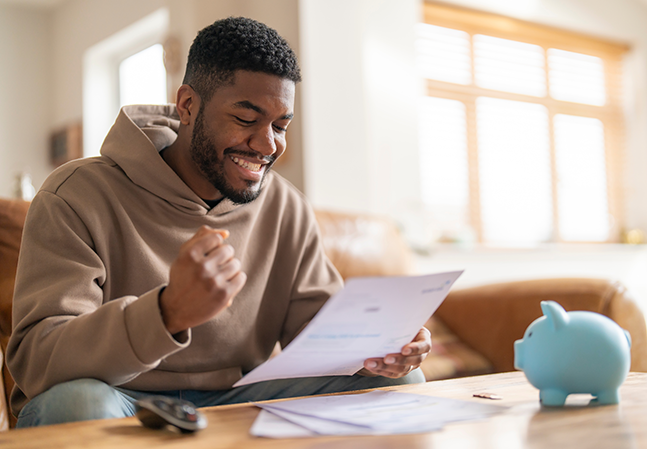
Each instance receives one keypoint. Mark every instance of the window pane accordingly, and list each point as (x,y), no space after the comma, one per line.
(444,177)
(509,66)
(576,77)
(582,181)
(142,77)
(514,170)
(444,54)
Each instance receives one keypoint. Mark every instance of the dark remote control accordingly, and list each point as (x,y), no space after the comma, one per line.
(156,412)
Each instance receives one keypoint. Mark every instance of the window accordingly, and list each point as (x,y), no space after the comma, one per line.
(117,71)
(520,130)
(142,77)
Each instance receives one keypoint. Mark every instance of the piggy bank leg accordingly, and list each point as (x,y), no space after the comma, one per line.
(552,398)
(609,397)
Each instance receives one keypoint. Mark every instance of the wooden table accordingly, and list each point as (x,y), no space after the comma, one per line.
(524,425)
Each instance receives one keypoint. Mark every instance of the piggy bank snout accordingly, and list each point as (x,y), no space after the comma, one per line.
(518,354)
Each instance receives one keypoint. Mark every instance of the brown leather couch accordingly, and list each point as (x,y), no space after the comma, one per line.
(473,331)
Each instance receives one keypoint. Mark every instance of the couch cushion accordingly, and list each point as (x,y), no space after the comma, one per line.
(450,357)
(12,218)
(364,245)
(490,318)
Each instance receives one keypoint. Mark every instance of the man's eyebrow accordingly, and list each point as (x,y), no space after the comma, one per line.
(246,104)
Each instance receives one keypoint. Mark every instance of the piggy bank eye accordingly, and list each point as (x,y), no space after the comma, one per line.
(529,334)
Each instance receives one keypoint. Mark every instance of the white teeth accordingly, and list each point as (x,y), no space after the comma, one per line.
(248,165)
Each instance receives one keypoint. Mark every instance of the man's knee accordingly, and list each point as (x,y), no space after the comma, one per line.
(414,377)
(77,400)
(306,386)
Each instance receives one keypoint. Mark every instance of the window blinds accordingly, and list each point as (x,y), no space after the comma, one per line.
(515,130)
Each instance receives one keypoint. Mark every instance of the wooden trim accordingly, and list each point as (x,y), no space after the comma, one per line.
(554,181)
(473,21)
(449,90)
(473,167)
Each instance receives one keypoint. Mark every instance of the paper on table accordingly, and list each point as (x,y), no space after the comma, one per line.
(270,425)
(317,426)
(374,413)
(386,411)
(369,317)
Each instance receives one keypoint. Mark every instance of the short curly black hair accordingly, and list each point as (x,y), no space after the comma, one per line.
(237,43)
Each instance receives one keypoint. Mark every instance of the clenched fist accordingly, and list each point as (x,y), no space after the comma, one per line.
(204,280)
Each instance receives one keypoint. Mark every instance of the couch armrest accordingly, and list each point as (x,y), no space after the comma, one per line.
(12,218)
(491,317)
(5,416)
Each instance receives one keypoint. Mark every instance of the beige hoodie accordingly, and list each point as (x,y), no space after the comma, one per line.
(98,243)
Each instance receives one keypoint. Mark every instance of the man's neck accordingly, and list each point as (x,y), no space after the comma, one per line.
(178,158)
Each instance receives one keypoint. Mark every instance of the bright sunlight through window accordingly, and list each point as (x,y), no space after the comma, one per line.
(518,137)
(142,78)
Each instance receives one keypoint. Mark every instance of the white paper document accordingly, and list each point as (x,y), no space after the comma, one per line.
(375,413)
(369,317)
(270,425)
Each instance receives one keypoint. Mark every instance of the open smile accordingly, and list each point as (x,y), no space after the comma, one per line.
(246,164)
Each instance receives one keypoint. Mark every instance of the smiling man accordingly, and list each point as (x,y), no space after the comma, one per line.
(174,262)
(251,114)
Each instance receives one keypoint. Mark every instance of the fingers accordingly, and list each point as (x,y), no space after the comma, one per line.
(204,241)
(232,285)
(228,270)
(421,343)
(203,281)
(392,366)
(207,247)
(377,366)
(236,284)
(399,365)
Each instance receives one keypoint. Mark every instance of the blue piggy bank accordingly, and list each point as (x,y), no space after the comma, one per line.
(574,352)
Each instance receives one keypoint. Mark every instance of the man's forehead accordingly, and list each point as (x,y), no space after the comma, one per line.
(246,104)
(260,92)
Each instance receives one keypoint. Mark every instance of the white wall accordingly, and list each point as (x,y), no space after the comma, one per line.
(360,115)
(360,95)
(25,92)
(77,26)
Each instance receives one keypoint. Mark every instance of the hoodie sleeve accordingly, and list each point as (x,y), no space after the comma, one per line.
(316,279)
(64,328)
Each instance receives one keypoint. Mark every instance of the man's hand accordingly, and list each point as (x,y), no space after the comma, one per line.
(204,280)
(399,365)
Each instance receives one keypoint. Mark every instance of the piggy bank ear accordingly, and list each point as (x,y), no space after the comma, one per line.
(555,314)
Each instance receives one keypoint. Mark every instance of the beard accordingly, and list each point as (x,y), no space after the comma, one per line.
(205,156)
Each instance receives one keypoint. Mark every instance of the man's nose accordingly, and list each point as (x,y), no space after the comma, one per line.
(263,141)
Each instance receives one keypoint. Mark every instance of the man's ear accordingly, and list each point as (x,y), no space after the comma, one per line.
(188,104)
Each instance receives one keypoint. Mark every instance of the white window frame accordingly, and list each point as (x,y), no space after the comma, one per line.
(101,74)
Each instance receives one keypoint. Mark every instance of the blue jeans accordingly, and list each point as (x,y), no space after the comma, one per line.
(86,399)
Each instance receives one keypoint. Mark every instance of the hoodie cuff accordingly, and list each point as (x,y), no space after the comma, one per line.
(149,338)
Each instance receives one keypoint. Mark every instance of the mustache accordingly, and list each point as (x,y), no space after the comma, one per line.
(250,154)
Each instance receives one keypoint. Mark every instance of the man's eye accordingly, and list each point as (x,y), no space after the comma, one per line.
(278,128)
(245,122)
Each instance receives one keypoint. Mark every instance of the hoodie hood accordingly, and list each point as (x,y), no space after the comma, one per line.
(134,142)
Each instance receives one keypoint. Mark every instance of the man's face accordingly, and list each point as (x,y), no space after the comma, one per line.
(240,132)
